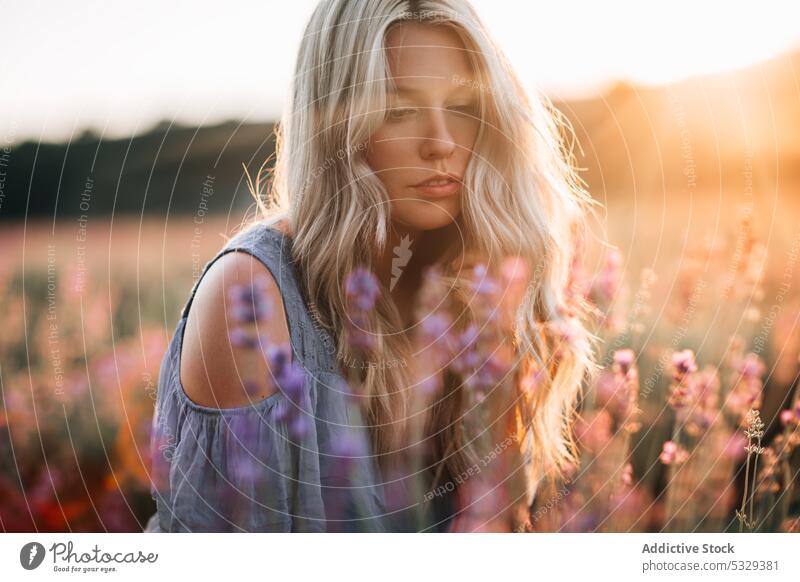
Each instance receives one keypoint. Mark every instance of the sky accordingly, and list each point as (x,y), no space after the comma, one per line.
(120,67)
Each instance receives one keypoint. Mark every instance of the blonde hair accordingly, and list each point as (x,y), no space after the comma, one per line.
(521,198)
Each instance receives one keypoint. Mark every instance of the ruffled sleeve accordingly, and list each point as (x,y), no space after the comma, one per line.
(255,467)
(233,469)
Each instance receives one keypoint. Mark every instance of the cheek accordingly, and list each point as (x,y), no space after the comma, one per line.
(466,139)
(390,158)
(383,148)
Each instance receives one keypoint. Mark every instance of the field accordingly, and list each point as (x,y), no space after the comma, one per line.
(89,307)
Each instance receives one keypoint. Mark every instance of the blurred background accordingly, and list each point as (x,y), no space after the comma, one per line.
(125,129)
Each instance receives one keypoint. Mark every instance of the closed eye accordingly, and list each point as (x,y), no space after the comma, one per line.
(400,113)
(469,109)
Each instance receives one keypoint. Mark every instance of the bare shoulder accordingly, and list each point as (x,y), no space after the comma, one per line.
(214,370)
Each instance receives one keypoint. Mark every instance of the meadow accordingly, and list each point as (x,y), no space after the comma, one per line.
(692,425)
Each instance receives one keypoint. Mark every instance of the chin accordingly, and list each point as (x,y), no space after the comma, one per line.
(427,215)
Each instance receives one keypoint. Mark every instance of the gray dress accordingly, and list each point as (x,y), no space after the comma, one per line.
(240,469)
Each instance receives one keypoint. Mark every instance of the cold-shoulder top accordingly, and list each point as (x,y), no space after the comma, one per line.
(242,469)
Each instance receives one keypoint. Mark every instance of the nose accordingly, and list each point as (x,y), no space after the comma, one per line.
(437,143)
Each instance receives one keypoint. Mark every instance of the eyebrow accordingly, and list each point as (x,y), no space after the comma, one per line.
(466,88)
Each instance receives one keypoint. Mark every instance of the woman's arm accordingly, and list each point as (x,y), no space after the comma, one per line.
(213,371)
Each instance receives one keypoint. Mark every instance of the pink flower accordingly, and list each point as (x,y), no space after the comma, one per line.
(747,386)
(609,280)
(751,367)
(788,417)
(530,381)
(673,453)
(594,432)
(734,447)
(682,388)
(683,363)
(624,359)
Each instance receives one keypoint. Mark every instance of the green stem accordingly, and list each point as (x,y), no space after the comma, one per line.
(746,484)
(755,480)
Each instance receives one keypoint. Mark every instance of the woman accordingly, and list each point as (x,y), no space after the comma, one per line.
(408,148)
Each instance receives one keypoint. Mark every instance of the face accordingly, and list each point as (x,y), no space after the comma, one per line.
(430,127)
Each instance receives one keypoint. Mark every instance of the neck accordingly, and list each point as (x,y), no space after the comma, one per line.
(398,253)
(402,262)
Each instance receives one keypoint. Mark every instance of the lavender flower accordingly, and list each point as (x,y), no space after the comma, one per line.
(683,365)
(788,417)
(620,390)
(290,379)
(624,359)
(362,289)
(249,305)
(482,283)
(746,390)
(250,302)
(466,350)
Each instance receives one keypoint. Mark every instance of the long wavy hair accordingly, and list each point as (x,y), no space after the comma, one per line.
(521,197)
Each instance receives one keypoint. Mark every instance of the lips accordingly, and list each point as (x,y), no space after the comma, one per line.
(439,186)
(438,180)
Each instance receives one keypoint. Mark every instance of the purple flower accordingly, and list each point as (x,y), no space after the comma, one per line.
(278,357)
(435,326)
(492,371)
(299,425)
(362,289)
(245,429)
(434,332)
(349,447)
(249,301)
(292,382)
(357,330)
(482,283)
(465,350)
(290,378)
(241,338)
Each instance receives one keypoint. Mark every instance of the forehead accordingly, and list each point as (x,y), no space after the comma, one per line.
(420,53)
